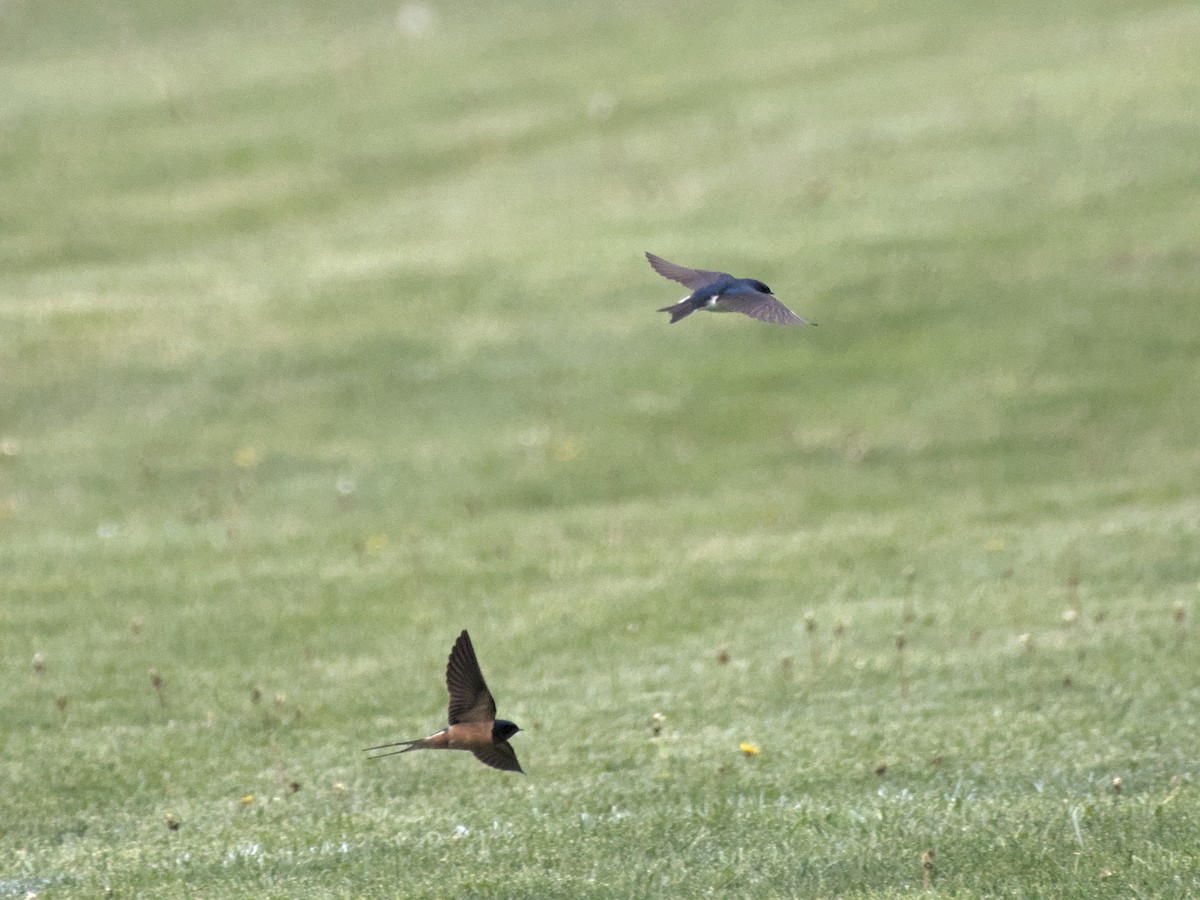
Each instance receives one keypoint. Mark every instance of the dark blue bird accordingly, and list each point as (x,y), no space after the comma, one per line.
(721,292)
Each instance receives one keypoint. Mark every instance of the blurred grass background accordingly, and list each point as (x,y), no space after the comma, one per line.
(325,333)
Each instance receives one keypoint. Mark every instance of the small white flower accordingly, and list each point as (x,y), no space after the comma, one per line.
(415,19)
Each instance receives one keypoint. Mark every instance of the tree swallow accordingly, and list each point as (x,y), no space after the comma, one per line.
(473,723)
(721,292)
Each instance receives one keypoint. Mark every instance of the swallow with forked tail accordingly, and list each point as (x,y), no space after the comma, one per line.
(473,723)
(721,292)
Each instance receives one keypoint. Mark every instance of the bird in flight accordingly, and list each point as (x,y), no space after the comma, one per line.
(721,292)
(473,723)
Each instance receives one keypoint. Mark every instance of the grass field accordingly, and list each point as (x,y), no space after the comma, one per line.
(325,333)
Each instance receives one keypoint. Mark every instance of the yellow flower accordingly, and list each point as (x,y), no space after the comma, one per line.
(566,450)
(994,544)
(246,457)
(376,544)
(749,749)
(249,798)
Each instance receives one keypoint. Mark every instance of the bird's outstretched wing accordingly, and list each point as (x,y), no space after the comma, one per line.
(499,756)
(763,307)
(470,699)
(690,278)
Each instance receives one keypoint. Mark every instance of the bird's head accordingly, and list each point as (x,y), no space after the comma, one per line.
(760,287)
(502,729)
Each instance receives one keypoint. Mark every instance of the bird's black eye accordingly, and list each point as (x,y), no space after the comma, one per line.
(762,288)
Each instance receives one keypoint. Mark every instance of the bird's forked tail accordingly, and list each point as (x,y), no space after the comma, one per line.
(679,310)
(404,745)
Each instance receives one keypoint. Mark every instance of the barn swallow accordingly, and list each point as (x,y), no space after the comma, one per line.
(473,723)
(721,292)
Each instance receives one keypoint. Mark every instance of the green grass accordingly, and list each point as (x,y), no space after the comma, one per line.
(320,341)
